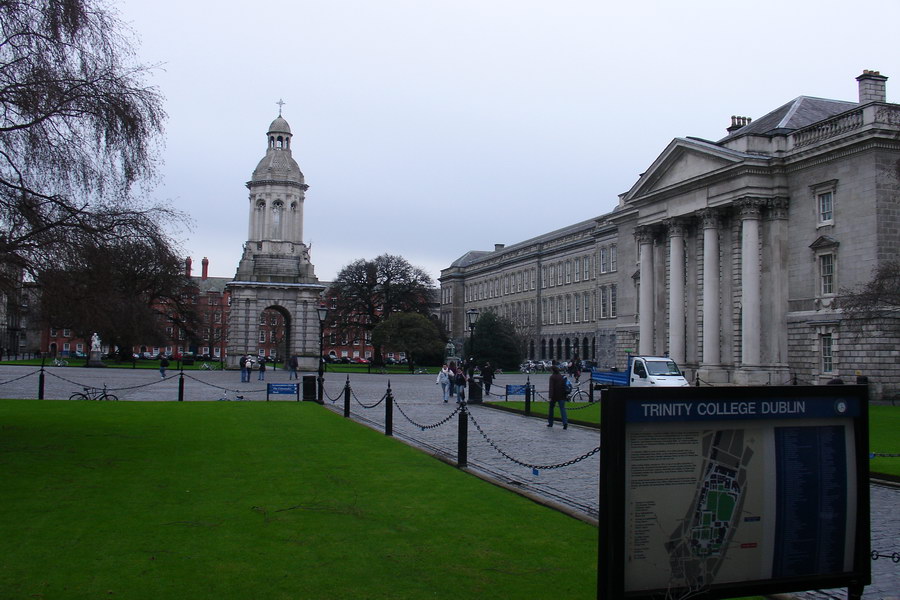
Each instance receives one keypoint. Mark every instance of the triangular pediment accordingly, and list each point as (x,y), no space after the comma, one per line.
(824,241)
(683,160)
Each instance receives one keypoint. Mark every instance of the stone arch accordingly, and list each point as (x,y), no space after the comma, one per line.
(294,304)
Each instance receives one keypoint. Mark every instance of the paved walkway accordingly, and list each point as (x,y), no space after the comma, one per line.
(520,452)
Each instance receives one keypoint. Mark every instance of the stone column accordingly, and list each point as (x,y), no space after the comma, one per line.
(676,289)
(711,305)
(645,237)
(775,284)
(750,282)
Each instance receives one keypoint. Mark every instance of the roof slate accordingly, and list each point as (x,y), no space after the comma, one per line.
(796,114)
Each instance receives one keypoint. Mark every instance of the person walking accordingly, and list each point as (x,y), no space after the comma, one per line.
(460,384)
(451,371)
(163,365)
(557,396)
(293,364)
(245,375)
(487,376)
(443,379)
(262,369)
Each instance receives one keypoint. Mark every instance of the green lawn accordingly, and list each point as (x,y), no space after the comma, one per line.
(259,500)
(884,428)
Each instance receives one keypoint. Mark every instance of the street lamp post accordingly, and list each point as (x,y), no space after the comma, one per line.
(323,315)
(471,319)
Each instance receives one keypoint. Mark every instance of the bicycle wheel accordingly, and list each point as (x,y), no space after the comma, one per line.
(110,397)
(579,396)
(78,396)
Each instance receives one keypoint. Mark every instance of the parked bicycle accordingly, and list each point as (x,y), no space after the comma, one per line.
(210,367)
(92,393)
(58,362)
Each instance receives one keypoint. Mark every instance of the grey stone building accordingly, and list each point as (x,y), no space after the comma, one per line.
(731,254)
(275,271)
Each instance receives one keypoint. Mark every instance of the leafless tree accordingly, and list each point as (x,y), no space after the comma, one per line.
(79,131)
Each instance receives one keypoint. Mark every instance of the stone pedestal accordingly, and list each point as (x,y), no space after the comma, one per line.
(94,359)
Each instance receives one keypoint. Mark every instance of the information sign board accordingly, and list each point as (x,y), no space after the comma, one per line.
(712,491)
(283,388)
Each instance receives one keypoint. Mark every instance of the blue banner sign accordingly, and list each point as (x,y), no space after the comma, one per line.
(516,390)
(745,408)
(283,388)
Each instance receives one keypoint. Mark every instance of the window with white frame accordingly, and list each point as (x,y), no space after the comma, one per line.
(577,307)
(568,309)
(824,194)
(613,259)
(826,274)
(604,259)
(577,270)
(604,303)
(559,274)
(825,202)
(568,271)
(612,300)
(586,271)
(826,344)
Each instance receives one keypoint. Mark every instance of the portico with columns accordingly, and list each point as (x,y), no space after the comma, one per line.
(710,235)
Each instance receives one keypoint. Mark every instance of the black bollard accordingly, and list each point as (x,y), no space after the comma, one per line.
(347,398)
(389,412)
(41,384)
(528,396)
(462,442)
(181,388)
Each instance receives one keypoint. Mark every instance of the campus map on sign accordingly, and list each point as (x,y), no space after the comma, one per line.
(703,507)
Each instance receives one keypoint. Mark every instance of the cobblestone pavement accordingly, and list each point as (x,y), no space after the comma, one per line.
(518,451)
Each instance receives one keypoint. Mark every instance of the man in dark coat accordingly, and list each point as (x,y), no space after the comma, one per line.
(487,376)
(557,396)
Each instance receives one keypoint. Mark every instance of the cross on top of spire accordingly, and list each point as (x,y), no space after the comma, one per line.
(280,103)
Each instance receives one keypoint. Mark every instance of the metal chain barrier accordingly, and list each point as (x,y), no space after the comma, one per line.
(20,378)
(238,393)
(894,556)
(368,406)
(432,426)
(533,467)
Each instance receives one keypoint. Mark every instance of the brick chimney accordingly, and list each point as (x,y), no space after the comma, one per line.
(187,266)
(205,263)
(498,247)
(872,87)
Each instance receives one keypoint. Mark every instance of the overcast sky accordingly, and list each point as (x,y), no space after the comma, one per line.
(430,128)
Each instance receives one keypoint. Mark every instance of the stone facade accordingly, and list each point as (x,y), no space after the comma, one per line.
(275,271)
(732,254)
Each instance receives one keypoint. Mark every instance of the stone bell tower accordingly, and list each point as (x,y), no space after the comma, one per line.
(275,271)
